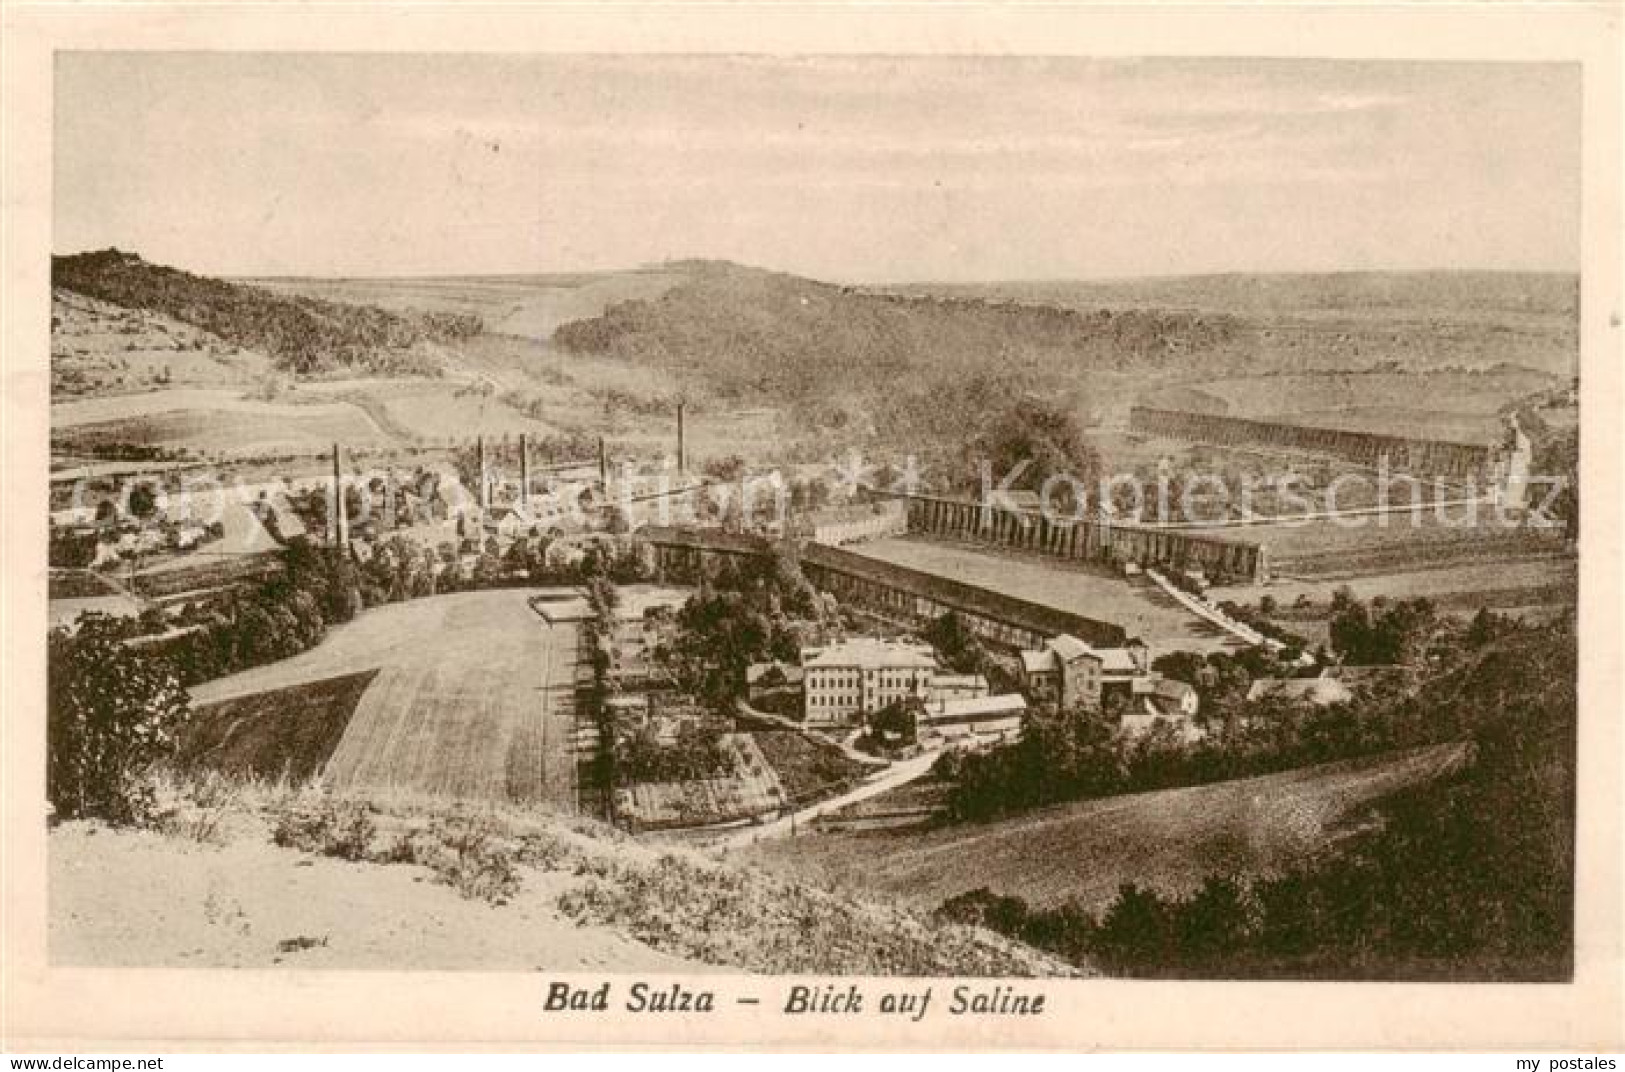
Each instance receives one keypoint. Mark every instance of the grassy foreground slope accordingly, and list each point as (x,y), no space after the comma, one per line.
(569,895)
(1168,840)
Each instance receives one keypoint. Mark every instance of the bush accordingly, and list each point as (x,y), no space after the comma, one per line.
(470,854)
(111,712)
(325,826)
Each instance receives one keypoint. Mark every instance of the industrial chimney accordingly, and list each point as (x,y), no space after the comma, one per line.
(682,445)
(603,465)
(484,491)
(338,523)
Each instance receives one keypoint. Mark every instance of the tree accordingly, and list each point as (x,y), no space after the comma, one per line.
(1183,666)
(1214,921)
(143,501)
(961,650)
(112,710)
(900,717)
(1136,930)
(1047,437)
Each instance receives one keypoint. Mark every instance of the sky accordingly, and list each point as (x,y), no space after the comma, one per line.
(850,169)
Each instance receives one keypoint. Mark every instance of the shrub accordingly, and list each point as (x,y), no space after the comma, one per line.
(194,809)
(112,711)
(471,855)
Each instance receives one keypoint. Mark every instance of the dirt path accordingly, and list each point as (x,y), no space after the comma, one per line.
(897,776)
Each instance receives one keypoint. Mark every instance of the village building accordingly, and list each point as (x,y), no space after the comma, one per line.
(853,678)
(1121,669)
(1066,672)
(1069,672)
(958,687)
(1161,699)
(509,522)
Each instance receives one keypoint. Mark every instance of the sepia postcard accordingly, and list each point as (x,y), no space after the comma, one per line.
(762,527)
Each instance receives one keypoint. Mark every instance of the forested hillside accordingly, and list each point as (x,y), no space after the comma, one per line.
(301,335)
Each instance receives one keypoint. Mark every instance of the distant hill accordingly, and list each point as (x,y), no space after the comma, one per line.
(922,361)
(300,334)
(1437,292)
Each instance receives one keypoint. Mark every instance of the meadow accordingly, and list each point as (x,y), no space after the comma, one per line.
(472,699)
(1168,840)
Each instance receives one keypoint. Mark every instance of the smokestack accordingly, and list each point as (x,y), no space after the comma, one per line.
(340,524)
(485,481)
(524,472)
(682,447)
(603,465)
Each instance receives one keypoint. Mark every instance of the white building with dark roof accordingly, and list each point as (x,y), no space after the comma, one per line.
(975,720)
(1162,699)
(853,678)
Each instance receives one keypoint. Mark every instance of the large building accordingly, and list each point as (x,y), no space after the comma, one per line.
(1068,672)
(853,678)
(973,721)
(1065,672)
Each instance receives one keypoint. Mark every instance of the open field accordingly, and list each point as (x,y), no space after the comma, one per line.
(1328,550)
(472,700)
(285,732)
(1169,840)
(1342,320)
(1137,606)
(587,899)
(1532,583)
(209,420)
(1456,406)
